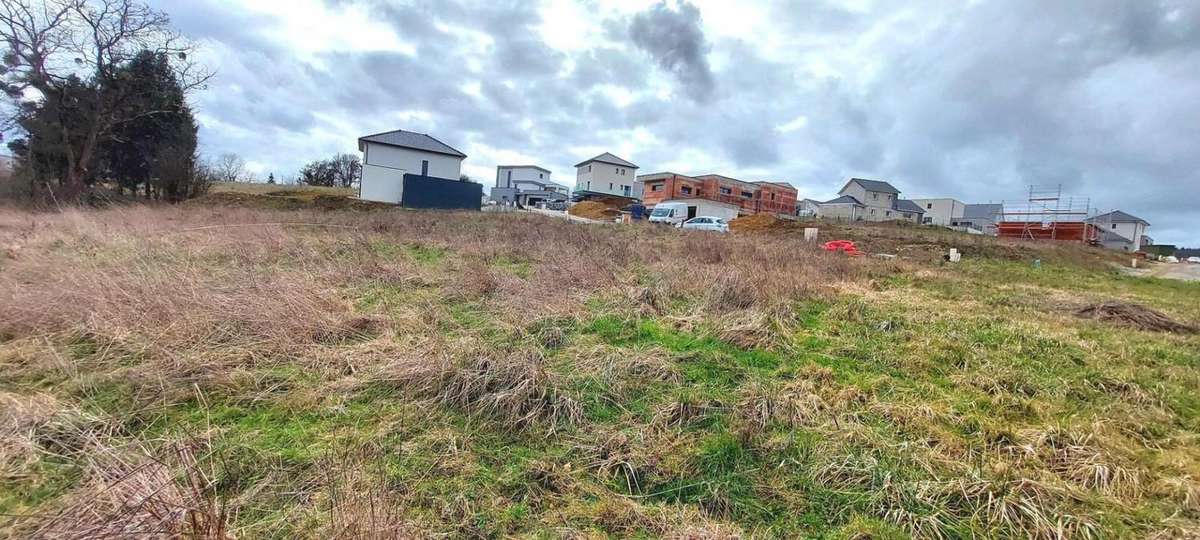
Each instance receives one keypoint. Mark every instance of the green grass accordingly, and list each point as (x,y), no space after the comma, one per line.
(871,412)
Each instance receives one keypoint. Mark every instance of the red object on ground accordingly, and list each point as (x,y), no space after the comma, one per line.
(845,246)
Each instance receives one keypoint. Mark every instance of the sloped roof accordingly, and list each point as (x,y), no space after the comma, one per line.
(844,199)
(873,185)
(607,158)
(1117,216)
(905,205)
(409,139)
(982,211)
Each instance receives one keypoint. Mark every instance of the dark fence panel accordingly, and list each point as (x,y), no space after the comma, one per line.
(433,192)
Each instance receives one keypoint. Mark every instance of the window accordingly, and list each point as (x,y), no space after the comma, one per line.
(875,196)
(539,175)
(656,187)
(772,196)
(610,186)
(929,206)
(747,195)
(888,213)
(726,191)
(589,168)
(1114,226)
(424,167)
(509,178)
(686,190)
(872,211)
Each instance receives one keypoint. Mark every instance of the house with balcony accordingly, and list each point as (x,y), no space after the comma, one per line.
(606,175)
(526,185)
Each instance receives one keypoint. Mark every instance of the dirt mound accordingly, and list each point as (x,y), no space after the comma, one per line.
(593,210)
(760,223)
(1134,316)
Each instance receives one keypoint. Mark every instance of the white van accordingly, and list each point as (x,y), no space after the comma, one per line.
(680,210)
(674,213)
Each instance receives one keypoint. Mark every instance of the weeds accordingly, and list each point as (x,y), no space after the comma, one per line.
(412,374)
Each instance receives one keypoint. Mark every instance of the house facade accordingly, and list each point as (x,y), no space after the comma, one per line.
(607,174)
(526,185)
(389,156)
(748,197)
(1119,230)
(981,217)
(871,200)
(941,211)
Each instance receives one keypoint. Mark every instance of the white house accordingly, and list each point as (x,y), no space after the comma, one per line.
(941,211)
(1118,230)
(388,156)
(607,174)
(526,185)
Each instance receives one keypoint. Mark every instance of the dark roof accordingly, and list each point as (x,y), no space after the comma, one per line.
(905,205)
(608,158)
(545,170)
(844,199)
(1117,216)
(873,185)
(982,211)
(409,139)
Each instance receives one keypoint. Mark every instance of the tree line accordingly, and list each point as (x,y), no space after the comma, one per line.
(97,91)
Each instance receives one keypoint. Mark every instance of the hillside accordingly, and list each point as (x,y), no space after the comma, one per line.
(222,371)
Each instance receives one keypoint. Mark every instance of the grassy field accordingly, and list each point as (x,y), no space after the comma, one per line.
(212,371)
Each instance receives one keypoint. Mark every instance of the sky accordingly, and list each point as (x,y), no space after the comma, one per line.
(974,100)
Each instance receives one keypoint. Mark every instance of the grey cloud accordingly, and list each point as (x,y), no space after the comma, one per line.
(971,100)
(675,40)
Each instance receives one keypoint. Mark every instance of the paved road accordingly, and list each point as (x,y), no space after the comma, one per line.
(1183,271)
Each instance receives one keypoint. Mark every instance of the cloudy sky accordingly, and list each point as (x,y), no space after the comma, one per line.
(973,100)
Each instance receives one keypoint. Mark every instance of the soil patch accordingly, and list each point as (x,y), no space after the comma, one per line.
(594,210)
(760,223)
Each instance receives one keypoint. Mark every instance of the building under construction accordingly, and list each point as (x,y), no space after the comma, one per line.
(747,197)
(1045,214)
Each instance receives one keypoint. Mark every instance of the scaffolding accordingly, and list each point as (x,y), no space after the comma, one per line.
(1045,214)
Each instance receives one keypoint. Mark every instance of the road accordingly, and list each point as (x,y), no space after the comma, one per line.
(1183,271)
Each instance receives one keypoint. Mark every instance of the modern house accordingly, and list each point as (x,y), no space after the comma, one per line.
(1119,230)
(808,208)
(941,211)
(526,185)
(746,197)
(871,200)
(607,174)
(414,170)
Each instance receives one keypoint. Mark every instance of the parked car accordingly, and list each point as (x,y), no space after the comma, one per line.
(707,223)
(1194,260)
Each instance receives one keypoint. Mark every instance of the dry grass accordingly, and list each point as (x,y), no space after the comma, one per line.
(217,372)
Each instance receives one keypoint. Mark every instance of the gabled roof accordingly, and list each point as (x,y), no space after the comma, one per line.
(872,185)
(409,139)
(844,199)
(1117,216)
(608,158)
(982,211)
(547,171)
(905,205)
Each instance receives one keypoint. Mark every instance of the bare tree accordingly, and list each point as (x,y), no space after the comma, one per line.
(229,168)
(54,45)
(346,169)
